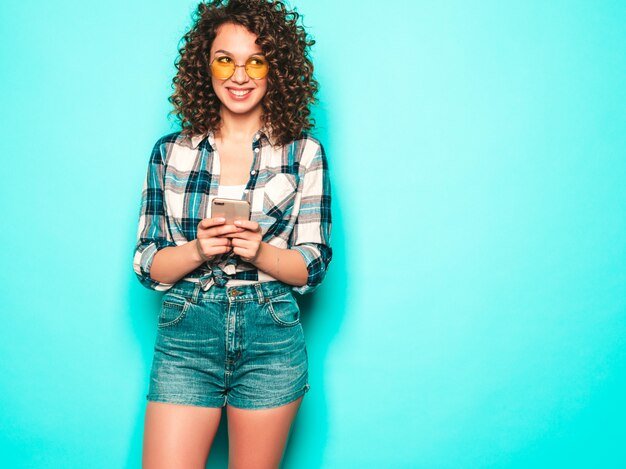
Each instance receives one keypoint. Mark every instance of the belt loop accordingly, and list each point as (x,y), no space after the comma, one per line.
(259,292)
(196,292)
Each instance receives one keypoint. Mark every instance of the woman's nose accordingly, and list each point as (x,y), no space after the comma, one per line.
(240,75)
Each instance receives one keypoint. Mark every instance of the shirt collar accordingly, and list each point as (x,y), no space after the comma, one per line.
(196,139)
(262,134)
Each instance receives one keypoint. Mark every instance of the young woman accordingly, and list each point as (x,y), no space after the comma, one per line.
(229,331)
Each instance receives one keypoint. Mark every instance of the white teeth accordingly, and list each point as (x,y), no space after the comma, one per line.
(240,93)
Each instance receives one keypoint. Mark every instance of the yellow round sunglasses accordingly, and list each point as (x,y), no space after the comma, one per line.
(223,67)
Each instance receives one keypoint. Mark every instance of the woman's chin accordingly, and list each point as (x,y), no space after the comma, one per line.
(241,109)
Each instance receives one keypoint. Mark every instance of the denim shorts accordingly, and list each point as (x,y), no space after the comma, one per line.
(243,346)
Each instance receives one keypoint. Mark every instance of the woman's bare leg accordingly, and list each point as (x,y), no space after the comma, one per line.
(178,436)
(257,438)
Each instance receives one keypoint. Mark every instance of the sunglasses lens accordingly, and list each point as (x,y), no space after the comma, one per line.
(257,68)
(222,68)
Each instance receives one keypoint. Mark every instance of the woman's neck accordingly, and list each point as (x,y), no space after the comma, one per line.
(239,127)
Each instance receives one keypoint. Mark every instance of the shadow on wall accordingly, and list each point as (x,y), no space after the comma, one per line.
(322,314)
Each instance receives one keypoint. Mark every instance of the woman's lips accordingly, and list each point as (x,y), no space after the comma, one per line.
(239,94)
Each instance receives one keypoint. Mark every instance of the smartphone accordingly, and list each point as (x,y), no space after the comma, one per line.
(231,209)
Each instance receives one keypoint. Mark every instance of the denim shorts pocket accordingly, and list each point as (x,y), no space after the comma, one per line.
(284,310)
(173,309)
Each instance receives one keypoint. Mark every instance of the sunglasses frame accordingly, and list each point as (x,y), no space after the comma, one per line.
(246,65)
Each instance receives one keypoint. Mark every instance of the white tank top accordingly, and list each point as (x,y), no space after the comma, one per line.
(231,192)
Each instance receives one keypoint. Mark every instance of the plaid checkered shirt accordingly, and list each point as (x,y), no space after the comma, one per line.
(288,192)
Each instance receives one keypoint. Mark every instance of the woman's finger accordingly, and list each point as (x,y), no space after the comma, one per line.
(244,234)
(248,225)
(209,222)
(218,231)
(211,247)
(250,245)
(210,243)
(240,243)
(218,241)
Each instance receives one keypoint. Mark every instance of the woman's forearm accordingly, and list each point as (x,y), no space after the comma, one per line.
(286,265)
(172,263)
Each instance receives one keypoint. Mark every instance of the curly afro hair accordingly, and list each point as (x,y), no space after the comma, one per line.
(291,87)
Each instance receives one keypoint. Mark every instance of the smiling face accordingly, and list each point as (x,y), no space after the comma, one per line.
(239,94)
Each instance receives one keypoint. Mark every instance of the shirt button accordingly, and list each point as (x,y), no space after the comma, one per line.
(256,150)
(253,172)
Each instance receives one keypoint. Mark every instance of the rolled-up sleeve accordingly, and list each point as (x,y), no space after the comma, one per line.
(311,232)
(153,233)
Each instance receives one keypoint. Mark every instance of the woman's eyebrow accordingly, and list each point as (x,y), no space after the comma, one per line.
(230,53)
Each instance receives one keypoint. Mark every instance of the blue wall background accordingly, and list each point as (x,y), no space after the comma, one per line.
(474,314)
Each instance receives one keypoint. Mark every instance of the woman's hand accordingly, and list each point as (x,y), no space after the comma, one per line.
(246,241)
(210,241)
(286,265)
